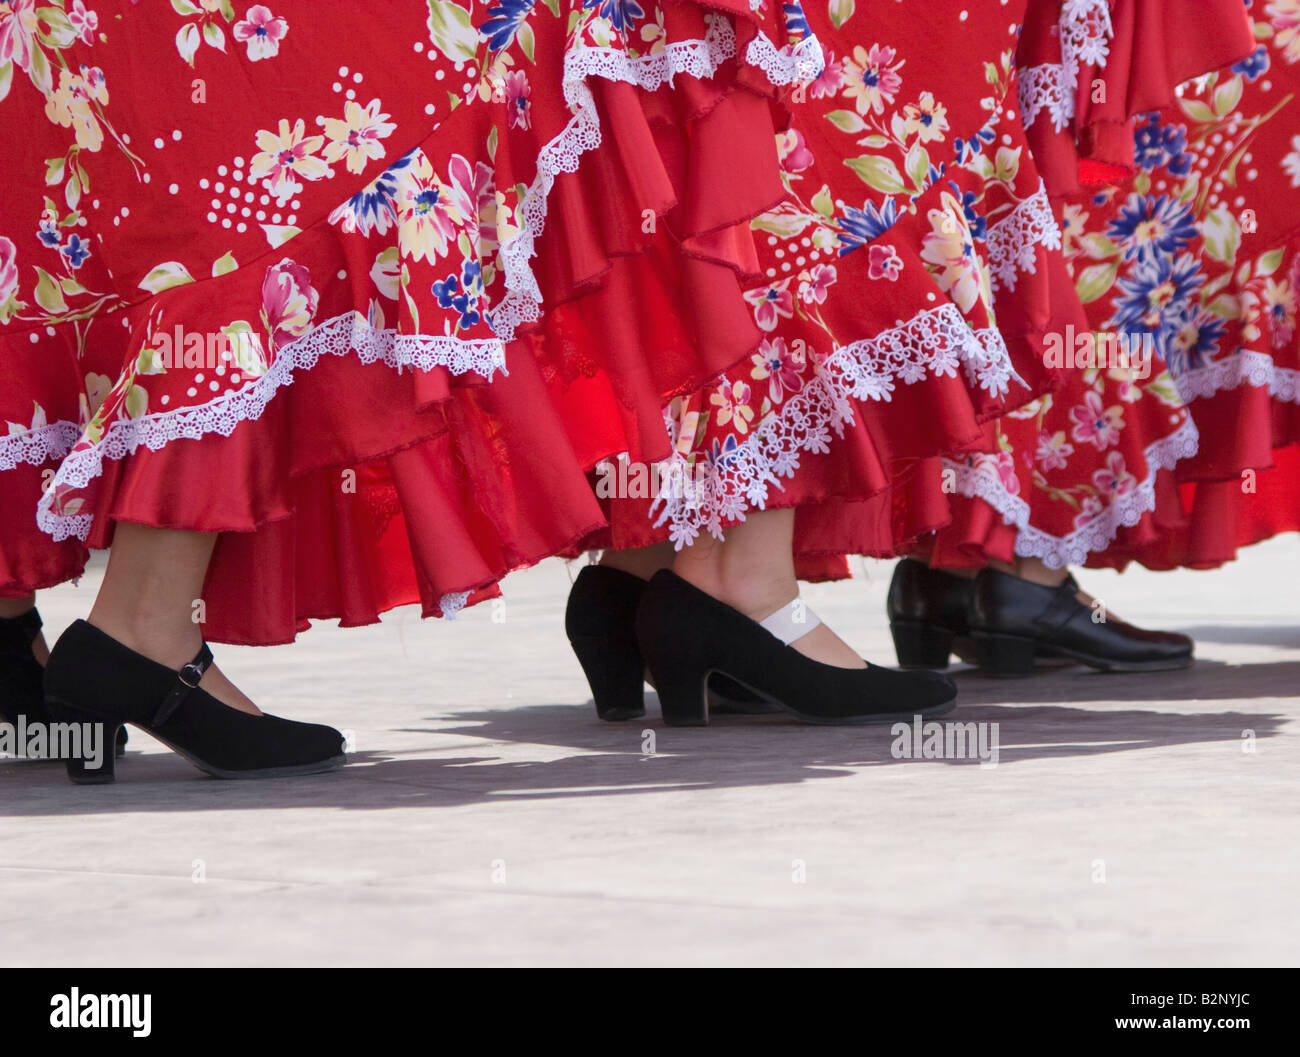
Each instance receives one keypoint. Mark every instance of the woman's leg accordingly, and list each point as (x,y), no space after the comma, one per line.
(147,600)
(642,562)
(752,570)
(1033,570)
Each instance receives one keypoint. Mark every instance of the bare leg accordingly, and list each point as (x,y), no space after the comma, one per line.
(1033,570)
(16,607)
(147,600)
(753,571)
(642,562)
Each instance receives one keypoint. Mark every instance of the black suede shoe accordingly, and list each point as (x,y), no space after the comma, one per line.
(22,679)
(687,635)
(1013,622)
(21,692)
(600,621)
(927,611)
(93,679)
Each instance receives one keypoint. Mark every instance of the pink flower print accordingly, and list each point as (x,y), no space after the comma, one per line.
(1088,510)
(1096,424)
(1114,480)
(83,21)
(1004,466)
(793,151)
(518,96)
(771,303)
(262,32)
(18,25)
(289,302)
(821,277)
(8,269)
(1054,450)
(883,262)
(781,365)
(828,83)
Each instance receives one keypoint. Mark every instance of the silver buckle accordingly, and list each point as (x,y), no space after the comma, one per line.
(195,672)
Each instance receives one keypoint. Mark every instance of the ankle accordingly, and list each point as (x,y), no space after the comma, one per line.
(756,595)
(641,562)
(16,607)
(169,642)
(1033,570)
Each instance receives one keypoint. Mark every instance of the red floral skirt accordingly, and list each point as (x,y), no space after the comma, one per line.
(288,279)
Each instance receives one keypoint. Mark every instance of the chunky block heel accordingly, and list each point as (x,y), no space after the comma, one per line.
(683,696)
(82,767)
(598,620)
(1004,656)
(921,645)
(616,674)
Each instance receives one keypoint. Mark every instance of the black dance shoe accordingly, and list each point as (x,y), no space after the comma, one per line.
(687,635)
(600,621)
(21,692)
(93,679)
(1014,622)
(22,679)
(928,615)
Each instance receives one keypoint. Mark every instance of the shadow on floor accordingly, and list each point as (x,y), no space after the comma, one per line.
(1037,718)
(1283,635)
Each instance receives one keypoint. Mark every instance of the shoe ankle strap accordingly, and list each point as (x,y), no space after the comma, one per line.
(187,679)
(791,622)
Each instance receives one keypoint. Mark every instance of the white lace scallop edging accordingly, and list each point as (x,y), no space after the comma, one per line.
(422,352)
(802,62)
(37,446)
(1085,32)
(1245,367)
(933,342)
(1097,534)
(1012,243)
(338,336)
(695,58)
(522,304)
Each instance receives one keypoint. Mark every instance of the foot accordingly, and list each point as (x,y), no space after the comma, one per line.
(1014,622)
(686,634)
(758,599)
(176,647)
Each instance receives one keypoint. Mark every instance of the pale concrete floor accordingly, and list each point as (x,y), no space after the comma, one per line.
(488,817)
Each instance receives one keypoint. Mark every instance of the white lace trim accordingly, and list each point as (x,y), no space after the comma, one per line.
(522,303)
(338,336)
(979,482)
(1243,368)
(1085,31)
(1045,88)
(38,446)
(933,342)
(1012,243)
(696,58)
(453,603)
(795,63)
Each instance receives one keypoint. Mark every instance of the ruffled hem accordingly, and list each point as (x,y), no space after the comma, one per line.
(374,485)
